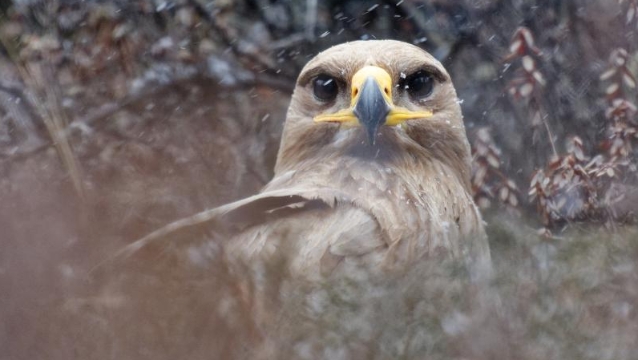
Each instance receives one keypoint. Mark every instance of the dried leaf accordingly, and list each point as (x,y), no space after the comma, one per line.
(578,169)
(619,57)
(544,232)
(539,77)
(608,74)
(527,36)
(554,162)
(484,135)
(513,200)
(611,89)
(493,161)
(577,141)
(631,12)
(578,153)
(483,202)
(481,150)
(479,176)
(532,193)
(536,178)
(120,31)
(503,193)
(536,119)
(515,46)
(528,63)
(596,161)
(526,89)
(629,80)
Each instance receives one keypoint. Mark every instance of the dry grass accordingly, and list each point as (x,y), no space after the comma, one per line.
(572,298)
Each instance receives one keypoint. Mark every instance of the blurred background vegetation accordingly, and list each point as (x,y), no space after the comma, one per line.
(117,117)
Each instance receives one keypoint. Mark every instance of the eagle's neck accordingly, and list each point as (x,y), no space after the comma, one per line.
(347,161)
(387,174)
(412,199)
(361,174)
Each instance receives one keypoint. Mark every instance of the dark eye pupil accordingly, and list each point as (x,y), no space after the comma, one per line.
(325,87)
(419,85)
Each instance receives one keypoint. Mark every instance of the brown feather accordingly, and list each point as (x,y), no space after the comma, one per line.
(338,205)
(402,200)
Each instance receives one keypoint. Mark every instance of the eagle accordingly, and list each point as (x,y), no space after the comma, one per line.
(372,174)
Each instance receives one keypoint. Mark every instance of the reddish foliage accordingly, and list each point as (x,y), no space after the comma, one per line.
(631,12)
(564,191)
(572,187)
(488,182)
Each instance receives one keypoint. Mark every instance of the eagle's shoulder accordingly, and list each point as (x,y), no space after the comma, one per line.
(313,230)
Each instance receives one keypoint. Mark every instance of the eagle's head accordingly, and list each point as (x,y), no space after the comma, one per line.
(380,99)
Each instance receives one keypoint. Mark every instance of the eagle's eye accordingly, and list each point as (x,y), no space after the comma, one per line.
(325,87)
(419,85)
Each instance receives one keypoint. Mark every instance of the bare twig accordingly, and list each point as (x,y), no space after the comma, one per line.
(421,22)
(287,42)
(12,90)
(550,137)
(242,52)
(311,19)
(54,117)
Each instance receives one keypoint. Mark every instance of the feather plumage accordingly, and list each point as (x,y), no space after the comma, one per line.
(337,200)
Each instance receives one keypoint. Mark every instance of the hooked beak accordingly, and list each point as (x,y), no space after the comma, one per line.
(371,105)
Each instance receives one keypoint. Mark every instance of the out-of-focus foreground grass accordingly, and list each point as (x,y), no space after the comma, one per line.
(119,117)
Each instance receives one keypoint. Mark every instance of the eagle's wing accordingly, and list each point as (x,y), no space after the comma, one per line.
(314,229)
(313,235)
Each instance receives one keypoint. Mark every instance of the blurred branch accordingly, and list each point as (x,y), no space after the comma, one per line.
(311,19)
(420,21)
(11,90)
(38,77)
(287,42)
(241,52)
(262,79)
(111,108)
(54,117)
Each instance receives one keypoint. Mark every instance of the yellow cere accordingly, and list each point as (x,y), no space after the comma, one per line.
(397,115)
